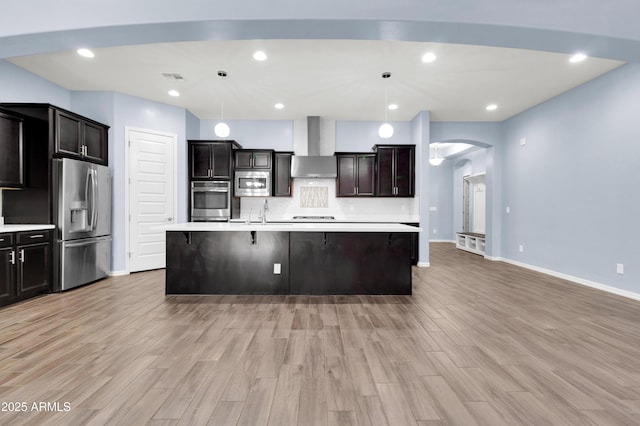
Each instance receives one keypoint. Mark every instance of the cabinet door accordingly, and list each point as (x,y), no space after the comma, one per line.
(11,151)
(33,269)
(282,175)
(366,169)
(221,160)
(386,172)
(346,184)
(95,140)
(244,159)
(7,274)
(200,161)
(404,174)
(68,134)
(262,160)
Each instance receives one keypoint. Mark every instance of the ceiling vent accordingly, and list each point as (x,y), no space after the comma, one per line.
(172,76)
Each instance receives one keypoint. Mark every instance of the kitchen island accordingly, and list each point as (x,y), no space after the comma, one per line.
(288,258)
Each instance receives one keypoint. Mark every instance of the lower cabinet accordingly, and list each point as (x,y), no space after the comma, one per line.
(25,265)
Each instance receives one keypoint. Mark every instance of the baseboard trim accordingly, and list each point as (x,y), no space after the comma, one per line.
(442,241)
(577,280)
(423,264)
(117,273)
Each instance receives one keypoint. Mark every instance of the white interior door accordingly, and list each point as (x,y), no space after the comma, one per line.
(152,197)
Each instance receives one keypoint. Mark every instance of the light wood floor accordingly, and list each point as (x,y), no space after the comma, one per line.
(479,342)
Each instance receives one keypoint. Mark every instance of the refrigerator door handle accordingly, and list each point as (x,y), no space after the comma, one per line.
(86,199)
(94,203)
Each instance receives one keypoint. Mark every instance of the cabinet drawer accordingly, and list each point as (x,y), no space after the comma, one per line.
(32,237)
(6,240)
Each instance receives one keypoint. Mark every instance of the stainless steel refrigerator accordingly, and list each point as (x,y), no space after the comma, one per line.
(82,214)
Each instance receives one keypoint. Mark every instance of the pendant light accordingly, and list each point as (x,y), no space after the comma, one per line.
(385,130)
(435,161)
(222,129)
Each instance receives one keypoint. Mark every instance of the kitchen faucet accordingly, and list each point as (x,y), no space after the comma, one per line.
(265,208)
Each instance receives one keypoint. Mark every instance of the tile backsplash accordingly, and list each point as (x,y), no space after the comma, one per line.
(317,197)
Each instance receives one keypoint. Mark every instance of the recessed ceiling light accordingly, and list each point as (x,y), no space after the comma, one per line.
(174,93)
(260,56)
(279,106)
(428,57)
(393,107)
(86,53)
(578,57)
(492,107)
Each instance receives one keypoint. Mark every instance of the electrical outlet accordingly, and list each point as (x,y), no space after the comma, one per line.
(435,231)
(523,141)
(433,209)
(620,268)
(520,248)
(508,209)
(277,268)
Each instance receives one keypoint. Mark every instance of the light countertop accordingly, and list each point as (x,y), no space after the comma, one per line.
(292,227)
(24,227)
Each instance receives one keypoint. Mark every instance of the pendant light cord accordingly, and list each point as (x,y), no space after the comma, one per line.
(222,75)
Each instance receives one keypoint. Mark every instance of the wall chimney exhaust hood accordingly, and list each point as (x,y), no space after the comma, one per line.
(314,165)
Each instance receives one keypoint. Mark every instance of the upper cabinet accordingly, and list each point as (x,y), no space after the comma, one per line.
(80,138)
(211,159)
(250,159)
(282,174)
(11,151)
(71,135)
(395,170)
(356,174)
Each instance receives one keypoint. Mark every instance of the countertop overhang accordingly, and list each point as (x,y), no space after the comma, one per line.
(25,227)
(291,227)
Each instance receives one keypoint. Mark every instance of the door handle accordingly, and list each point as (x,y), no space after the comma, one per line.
(169,219)
(95,198)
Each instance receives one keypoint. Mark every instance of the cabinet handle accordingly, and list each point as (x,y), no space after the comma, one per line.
(253,237)
(36,236)
(12,257)
(1,240)
(357,190)
(22,255)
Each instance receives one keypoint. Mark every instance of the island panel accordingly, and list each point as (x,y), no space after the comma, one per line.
(350,263)
(227,262)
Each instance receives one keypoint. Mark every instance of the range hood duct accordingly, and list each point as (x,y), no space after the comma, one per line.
(313,165)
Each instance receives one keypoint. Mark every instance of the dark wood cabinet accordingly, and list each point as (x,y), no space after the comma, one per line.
(11,151)
(80,138)
(248,159)
(69,134)
(395,170)
(211,159)
(25,265)
(356,174)
(282,174)
(7,268)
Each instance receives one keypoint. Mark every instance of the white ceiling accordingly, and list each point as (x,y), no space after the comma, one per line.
(335,79)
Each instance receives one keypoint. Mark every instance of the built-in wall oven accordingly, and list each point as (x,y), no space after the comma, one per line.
(210,201)
(252,183)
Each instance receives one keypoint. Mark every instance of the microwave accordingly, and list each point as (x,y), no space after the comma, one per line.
(252,183)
